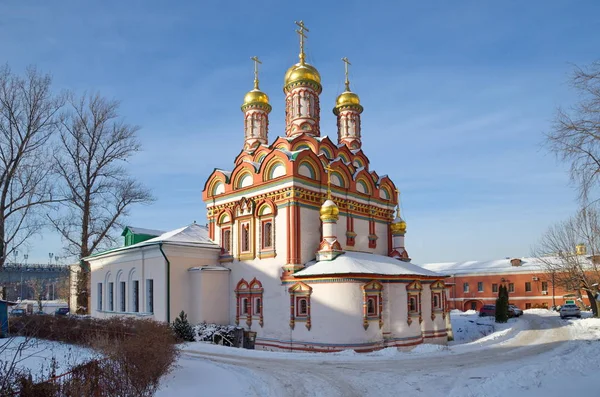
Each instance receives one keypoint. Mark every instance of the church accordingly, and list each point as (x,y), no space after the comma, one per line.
(304,243)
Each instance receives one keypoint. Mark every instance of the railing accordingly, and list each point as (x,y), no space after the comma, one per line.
(223,338)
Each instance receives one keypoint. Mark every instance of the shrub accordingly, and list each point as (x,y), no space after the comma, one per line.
(136,355)
(182,328)
(220,334)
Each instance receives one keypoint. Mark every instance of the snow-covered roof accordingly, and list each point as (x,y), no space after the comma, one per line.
(193,235)
(493,266)
(141,230)
(363,263)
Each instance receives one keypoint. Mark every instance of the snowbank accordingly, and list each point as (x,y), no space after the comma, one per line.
(37,355)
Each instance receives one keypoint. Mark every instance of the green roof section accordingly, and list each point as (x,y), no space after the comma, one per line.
(134,235)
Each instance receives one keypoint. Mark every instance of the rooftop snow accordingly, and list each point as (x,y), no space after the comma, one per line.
(364,263)
(191,235)
(493,266)
(141,230)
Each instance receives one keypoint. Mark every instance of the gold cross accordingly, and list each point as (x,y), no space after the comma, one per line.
(398,206)
(256,62)
(329,170)
(346,64)
(302,37)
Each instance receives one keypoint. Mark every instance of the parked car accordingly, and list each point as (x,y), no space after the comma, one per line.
(17,312)
(487,310)
(515,310)
(570,310)
(61,311)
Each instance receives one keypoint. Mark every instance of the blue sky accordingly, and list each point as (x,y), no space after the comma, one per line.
(457,96)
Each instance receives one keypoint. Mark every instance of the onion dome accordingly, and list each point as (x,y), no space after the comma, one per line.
(329,211)
(302,72)
(347,99)
(398,225)
(256,97)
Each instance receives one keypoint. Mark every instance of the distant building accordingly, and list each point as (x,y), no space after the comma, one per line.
(473,284)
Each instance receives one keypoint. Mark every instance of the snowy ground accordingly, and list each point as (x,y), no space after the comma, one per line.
(36,355)
(536,355)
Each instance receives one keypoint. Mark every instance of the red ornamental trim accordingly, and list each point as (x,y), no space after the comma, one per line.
(372,290)
(296,291)
(249,293)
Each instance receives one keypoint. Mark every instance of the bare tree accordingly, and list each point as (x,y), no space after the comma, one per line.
(575,137)
(28,119)
(95,144)
(565,268)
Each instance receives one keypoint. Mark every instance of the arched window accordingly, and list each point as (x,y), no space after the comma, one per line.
(226,240)
(257,306)
(371,310)
(245,237)
(302,307)
(372,303)
(267,234)
(300,304)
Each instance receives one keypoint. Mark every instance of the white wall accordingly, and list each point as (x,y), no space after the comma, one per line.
(209,296)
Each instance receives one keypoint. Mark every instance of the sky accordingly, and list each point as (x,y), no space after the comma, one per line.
(457,98)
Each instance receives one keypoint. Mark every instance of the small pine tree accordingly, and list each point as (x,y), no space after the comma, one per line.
(502,305)
(183,328)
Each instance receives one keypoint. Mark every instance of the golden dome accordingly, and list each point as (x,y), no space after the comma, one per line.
(255,96)
(329,211)
(347,98)
(302,72)
(398,226)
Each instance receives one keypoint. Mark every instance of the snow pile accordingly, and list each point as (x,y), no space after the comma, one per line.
(224,334)
(40,357)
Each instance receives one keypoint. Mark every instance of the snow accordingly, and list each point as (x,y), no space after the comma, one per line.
(537,354)
(363,263)
(493,266)
(141,230)
(193,233)
(36,355)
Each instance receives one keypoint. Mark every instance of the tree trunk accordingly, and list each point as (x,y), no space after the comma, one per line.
(593,302)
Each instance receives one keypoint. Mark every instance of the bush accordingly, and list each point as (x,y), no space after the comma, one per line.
(220,334)
(136,354)
(183,328)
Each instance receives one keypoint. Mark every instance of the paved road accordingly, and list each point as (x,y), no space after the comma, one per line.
(454,372)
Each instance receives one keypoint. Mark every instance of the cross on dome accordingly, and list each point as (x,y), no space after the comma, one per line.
(346,64)
(256,62)
(300,32)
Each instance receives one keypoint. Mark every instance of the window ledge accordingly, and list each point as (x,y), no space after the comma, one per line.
(139,314)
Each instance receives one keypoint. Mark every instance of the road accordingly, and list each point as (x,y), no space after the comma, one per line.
(459,371)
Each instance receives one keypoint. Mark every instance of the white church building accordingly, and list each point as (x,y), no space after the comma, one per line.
(304,243)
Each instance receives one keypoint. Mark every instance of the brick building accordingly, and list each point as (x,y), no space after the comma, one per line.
(475,283)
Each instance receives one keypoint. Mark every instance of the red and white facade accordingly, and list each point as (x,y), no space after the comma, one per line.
(306,277)
(475,283)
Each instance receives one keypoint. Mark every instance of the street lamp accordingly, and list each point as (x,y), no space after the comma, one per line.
(50,255)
